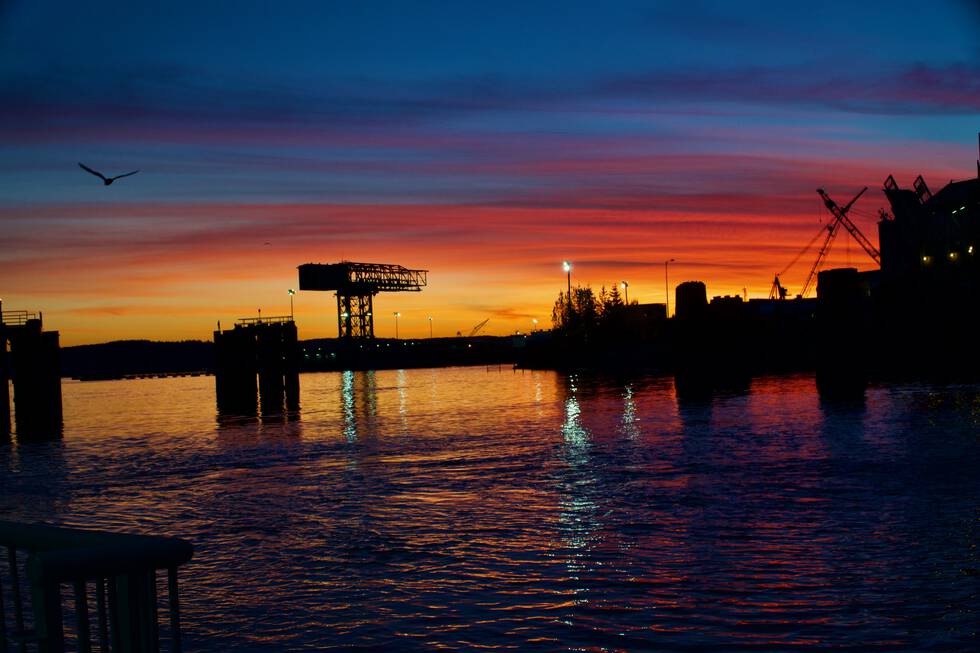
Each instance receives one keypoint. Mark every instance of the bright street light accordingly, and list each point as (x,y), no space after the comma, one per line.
(291,293)
(397,315)
(430,327)
(626,288)
(667,286)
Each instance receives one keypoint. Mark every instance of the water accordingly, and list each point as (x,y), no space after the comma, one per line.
(465,509)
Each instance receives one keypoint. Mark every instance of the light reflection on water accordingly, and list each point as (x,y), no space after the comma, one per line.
(422,509)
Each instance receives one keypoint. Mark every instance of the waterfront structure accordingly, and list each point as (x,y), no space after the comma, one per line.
(926,299)
(355,285)
(259,357)
(33,364)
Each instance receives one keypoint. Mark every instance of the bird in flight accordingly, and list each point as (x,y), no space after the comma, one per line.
(106,180)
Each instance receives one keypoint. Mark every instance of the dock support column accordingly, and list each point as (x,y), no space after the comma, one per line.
(278,365)
(4,386)
(234,372)
(290,361)
(269,355)
(34,356)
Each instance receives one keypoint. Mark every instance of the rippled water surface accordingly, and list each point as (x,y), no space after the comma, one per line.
(468,508)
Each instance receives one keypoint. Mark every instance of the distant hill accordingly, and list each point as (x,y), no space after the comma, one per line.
(114,360)
(123,357)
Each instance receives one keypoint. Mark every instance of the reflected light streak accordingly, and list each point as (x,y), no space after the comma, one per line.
(370,386)
(576,435)
(538,396)
(347,400)
(630,424)
(402,397)
(576,508)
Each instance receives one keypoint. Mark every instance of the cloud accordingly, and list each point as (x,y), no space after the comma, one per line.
(167,102)
(917,89)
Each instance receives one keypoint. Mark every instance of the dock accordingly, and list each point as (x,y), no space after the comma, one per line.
(29,356)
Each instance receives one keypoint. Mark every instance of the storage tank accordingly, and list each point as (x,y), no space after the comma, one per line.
(691,300)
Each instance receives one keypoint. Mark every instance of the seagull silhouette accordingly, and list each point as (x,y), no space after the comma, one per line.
(107,180)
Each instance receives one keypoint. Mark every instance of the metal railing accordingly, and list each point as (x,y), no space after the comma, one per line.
(17,318)
(257,321)
(120,568)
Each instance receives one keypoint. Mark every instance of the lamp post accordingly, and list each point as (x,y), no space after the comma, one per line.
(667,285)
(626,289)
(567,267)
(291,293)
(430,327)
(397,315)
(534,321)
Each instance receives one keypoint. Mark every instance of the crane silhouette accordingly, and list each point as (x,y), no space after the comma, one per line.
(106,180)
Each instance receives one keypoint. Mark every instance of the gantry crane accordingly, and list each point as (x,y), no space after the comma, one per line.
(356,285)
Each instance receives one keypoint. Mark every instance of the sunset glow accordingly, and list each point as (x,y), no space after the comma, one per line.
(484,146)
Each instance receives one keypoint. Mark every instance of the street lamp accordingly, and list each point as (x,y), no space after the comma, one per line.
(626,289)
(430,327)
(567,267)
(667,285)
(291,293)
(397,315)
(534,321)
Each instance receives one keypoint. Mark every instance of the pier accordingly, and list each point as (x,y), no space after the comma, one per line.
(29,356)
(257,364)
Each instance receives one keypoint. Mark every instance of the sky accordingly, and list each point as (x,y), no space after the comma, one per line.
(484,142)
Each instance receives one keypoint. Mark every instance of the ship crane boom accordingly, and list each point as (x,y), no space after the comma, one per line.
(840,219)
(479,327)
(841,214)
